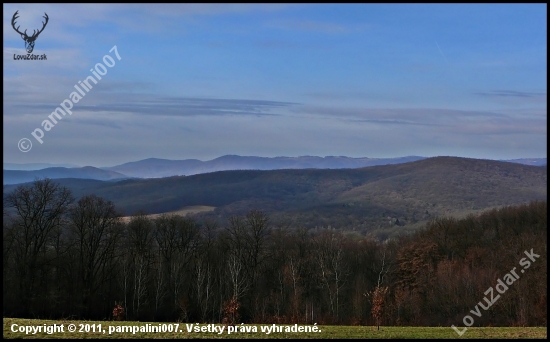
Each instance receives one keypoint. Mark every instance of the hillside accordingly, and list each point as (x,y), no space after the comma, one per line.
(529,161)
(34,166)
(87,172)
(156,168)
(159,168)
(381,198)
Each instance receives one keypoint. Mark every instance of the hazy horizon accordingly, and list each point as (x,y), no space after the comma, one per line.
(32,166)
(200,81)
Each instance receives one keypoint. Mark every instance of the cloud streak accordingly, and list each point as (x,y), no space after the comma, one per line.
(511,93)
(469,122)
(206,80)
(151,105)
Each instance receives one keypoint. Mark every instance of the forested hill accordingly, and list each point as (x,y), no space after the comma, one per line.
(365,199)
(87,263)
(156,168)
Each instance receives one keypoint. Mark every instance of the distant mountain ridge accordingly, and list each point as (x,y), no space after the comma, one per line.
(34,166)
(382,198)
(160,168)
(528,161)
(87,172)
(157,168)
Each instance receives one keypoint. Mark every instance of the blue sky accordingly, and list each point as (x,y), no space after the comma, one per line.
(201,81)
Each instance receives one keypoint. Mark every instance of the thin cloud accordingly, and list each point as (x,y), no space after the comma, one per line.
(94,122)
(433,120)
(416,115)
(511,93)
(169,106)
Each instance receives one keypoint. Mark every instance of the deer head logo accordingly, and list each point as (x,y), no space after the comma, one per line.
(29,41)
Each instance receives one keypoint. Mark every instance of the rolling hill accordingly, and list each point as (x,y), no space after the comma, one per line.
(157,168)
(34,166)
(528,161)
(377,198)
(87,172)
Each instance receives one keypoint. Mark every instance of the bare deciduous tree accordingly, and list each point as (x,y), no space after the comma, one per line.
(36,210)
(140,240)
(96,228)
(332,270)
(378,295)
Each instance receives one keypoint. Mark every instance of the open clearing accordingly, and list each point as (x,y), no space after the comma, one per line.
(325,331)
(194,209)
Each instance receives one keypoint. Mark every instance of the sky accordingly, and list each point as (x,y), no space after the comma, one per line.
(206,80)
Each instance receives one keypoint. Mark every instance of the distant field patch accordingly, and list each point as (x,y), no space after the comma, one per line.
(194,209)
(85,329)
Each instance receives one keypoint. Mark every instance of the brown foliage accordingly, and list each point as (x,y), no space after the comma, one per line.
(231,311)
(378,298)
(118,313)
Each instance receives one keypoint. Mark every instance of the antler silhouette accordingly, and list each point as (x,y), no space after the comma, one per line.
(43,26)
(29,41)
(13,24)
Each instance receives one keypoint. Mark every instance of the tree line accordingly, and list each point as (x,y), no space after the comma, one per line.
(79,259)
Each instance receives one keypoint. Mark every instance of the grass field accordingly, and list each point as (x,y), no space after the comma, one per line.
(325,331)
(194,209)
